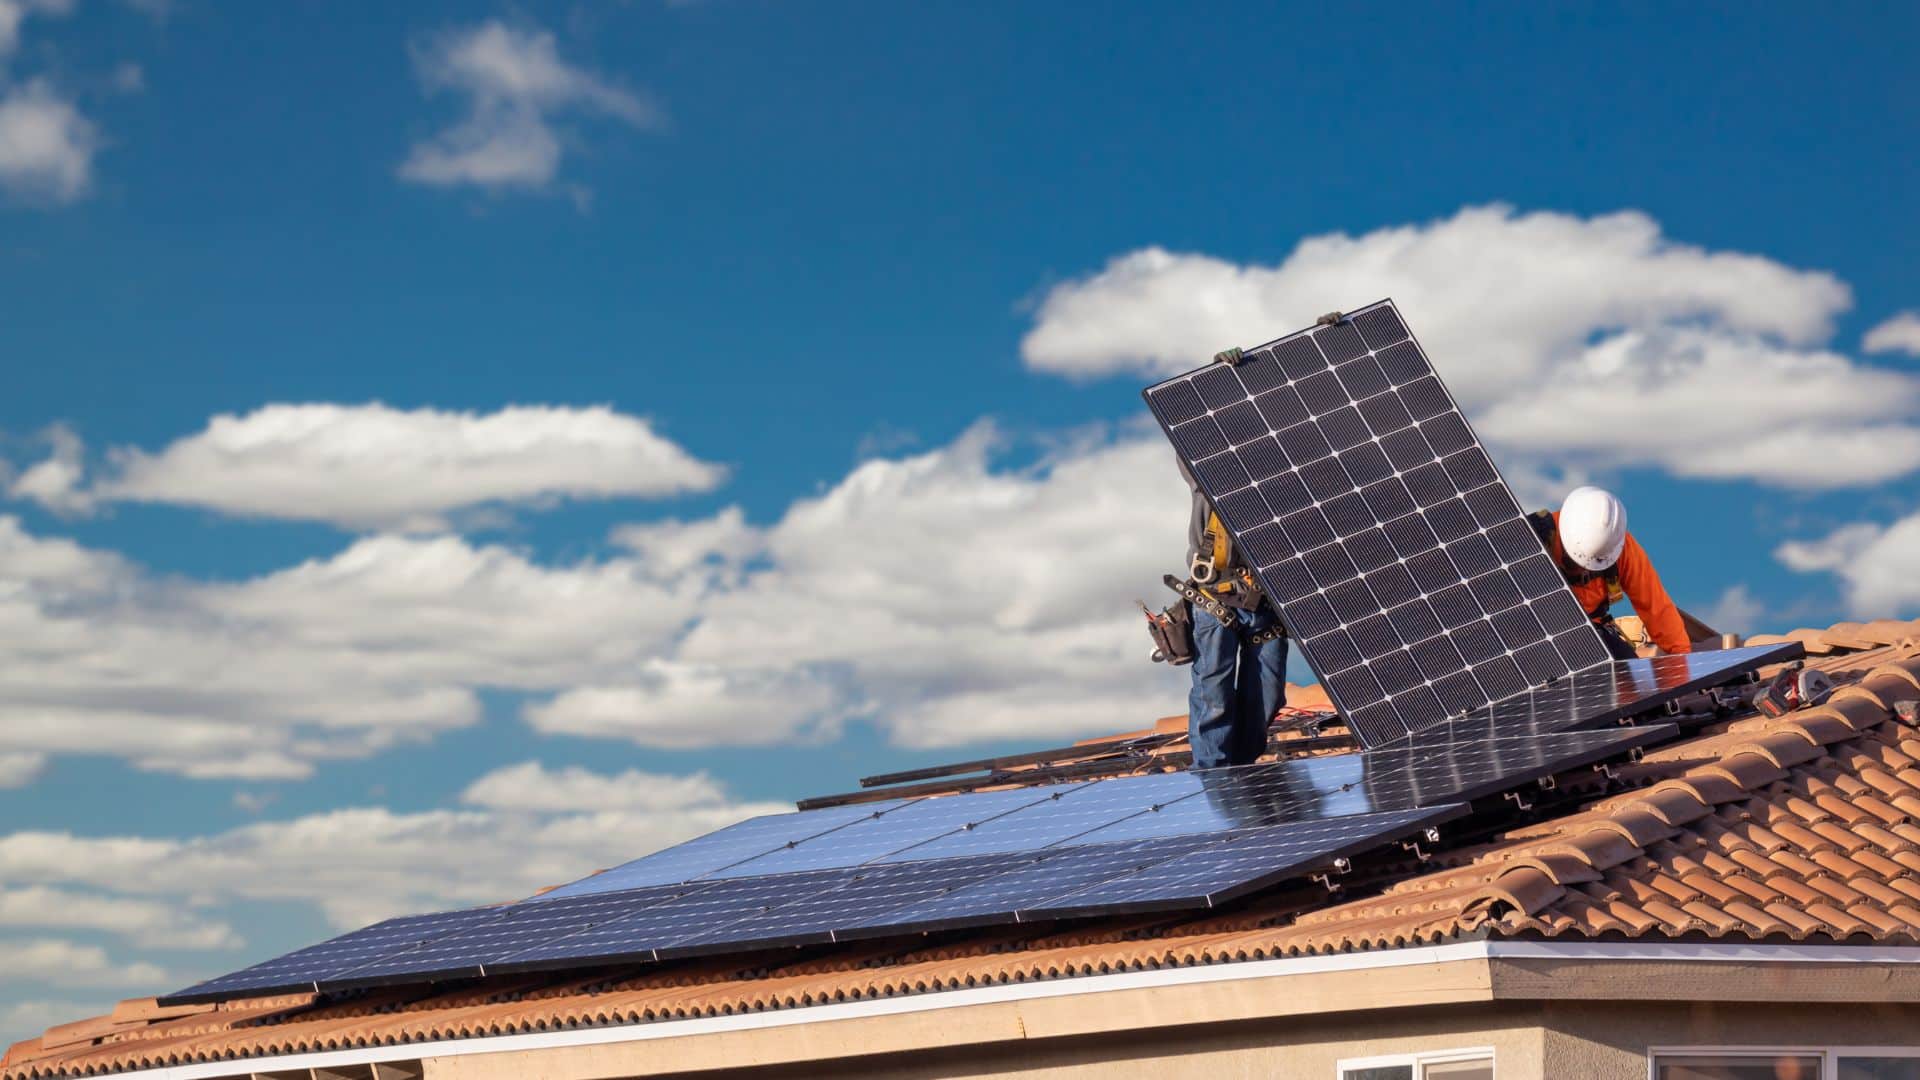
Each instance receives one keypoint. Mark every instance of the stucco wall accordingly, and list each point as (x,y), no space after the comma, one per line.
(1609,1040)
(1279,1049)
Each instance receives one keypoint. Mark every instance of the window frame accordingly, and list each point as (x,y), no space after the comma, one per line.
(1418,1060)
(1829,1055)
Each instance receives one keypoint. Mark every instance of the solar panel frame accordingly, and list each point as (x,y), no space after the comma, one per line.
(1444,512)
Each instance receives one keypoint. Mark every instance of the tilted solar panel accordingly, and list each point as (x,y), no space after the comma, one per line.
(1377,524)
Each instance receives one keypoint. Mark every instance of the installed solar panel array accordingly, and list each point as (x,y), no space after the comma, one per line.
(1374,519)
(1158,841)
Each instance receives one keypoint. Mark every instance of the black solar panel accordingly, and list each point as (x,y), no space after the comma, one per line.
(1377,524)
(717,850)
(303,969)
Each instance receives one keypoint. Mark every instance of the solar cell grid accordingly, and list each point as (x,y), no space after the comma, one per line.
(1388,528)
(716,850)
(303,969)
(1242,862)
(874,837)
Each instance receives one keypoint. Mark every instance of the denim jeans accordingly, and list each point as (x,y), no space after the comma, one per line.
(1237,688)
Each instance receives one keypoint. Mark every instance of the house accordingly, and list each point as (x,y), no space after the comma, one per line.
(1743,903)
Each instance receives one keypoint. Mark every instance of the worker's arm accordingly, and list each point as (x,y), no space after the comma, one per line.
(1650,600)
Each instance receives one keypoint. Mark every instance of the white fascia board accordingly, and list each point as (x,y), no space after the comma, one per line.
(1052,988)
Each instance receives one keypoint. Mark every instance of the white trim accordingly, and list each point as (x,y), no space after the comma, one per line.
(1050,988)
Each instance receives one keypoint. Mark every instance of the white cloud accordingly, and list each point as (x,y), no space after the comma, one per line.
(67,964)
(15,12)
(531,786)
(1880,564)
(1898,334)
(56,482)
(46,146)
(385,642)
(21,769)
(515,84)
(145,923)
(676,705)
(358,865)
(931,595)
(371,466)
(1575,343)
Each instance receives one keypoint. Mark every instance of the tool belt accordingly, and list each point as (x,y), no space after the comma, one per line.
(1172,629)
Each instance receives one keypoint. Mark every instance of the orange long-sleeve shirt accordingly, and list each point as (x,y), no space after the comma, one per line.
(1642,586)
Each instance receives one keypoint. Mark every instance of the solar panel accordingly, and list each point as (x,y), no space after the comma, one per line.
(1377,524)
(468,950)
(304,969)
(883,835)
(1611,691)
(1241,862)
(1055,871)
(716,850)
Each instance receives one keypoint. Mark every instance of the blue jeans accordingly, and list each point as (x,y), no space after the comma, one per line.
(1237,688)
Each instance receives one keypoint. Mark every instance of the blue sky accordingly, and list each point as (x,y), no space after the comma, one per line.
(448,448)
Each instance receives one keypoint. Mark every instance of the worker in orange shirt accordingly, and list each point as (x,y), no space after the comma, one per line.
(1603,562)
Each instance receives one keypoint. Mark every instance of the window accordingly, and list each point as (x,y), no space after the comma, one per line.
(1474,1064)
(1790,1063)
(1737,1067)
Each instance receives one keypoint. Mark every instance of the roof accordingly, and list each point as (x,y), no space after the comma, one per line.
(1804,828)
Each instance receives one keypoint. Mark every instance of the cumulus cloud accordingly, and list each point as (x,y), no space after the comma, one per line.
(376,467)
(1898,334)
(929,595)
(1879,564)
(1575,343)
(56,482)
(954,617)
(63,963)
(361,864)
(384,642)
(531,786)
(145,923)
(46,145)
(515,85)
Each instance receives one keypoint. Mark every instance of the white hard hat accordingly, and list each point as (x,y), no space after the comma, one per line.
(1593,527)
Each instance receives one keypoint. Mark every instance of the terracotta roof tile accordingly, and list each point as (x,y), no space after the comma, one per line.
(1797,828)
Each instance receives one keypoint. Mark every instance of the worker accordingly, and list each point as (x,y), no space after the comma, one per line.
(1239,655)
(1602,562)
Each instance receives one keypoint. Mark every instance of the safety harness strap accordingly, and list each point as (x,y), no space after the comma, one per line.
(1212,606)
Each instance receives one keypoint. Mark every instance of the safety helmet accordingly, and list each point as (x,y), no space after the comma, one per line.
(1593,528)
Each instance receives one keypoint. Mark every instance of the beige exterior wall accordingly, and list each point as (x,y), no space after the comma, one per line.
(1267,1049)
(1556,1019)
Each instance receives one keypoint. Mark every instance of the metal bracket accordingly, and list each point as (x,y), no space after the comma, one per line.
(1518,800)
(1605,769)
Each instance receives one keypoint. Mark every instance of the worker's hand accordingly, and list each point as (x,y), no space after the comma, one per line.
(1229,357)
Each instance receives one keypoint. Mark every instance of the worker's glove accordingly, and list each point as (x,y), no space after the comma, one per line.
(1229,357)
(1331,318)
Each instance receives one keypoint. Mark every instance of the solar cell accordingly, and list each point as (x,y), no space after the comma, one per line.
(716,850)
(1352,482)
